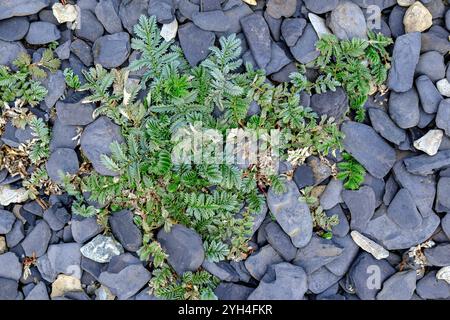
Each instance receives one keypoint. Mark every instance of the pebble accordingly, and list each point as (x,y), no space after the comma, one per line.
(10,267)
(400,286)
(281,8)
(64,284)
(361,204)
(443,86)
(14,8)
(417,18)
(304,51)
(169,30)
(62,161)
(7,220)
(291,214)
(321,6)
(347,21)
(292,29)
(107,13)
(89,28)
(37,240)
(258,38)
(444,274)
(65,13)
(42,33)
(125,231)
(14,29)
(369,246)
(195,42)
(215,21)
(430,98)
(319,25)
(431,64)
(113,50)
(404,108)
(101,249)
(430,142)
(184,247)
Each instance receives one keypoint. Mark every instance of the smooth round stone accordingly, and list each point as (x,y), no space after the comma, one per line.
(14,29)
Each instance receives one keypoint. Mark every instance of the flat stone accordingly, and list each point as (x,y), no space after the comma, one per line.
(7,220)
(63,136)
(96,140)
(439,255)
(403,211)
(361,204)
(283,281)
(83,51)
(385,127)
(65,258)
(222,270)
(10,267)
(113,50)
(37,240)
(84,229)
(73,112)
(127,282)
(215,21)
(404,108)
(443,116)
(125,231)
(14,29)
(424,164)
(444,87)
(319,25)
(130,11)
(235,15)
(400,286)
(39,292)
(280,241)
(292,214)
(184,247)
(258,38)
(42,33)
(13,8)
(195,42)
(316,254)
(332,194)
(368,148)
(404,61)
(362,273)
(90,28)
(321,280)
(281,8)
(9,289)
(321,6)
(432,65)
(108,14)
(16,234)
(430,98)
(347,21)
(304,51)
(163,10)
(62,161)
(431,288)
(232,291)
(101,249)
(331,103)
(258,262)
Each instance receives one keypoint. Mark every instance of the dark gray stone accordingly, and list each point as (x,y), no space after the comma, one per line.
(292,215)
(443,116)
(96,140)
(321,280)
(127,282)
(74,112)
(404,61)
(14,29)
(42,33)
(258,38)
(37,240)
(368,148)
(428,94)
(39,292)
(443,192)
(10,267)
(65,258)
(222,270)
(424,164)
(432,65)
(62,160)
(184,247)
(403,211)
(400,286)
(283,281)
(163,10)
(320,6)
(342,263)
(124,230)
(385,127)
(63,136)
(304,51)
(258,262)
(56,216)
(215,21)
(9,8)
(396,21)
(280,241)
(343,227)
(318,253)
(439,255)
(292,29)
(9,52)
(113,50)
(278,60)
(130,11)
(361,204)
(303,176)
(367,270)
(232,291)
(84,229)
(195,42)
(90,28)
(9,288)
(331,103)
(281,8)
(83,51)
(404,108)
(7,220)
(234,16)
(347,21)
(16,234)
(431,288)
(274,26)
(108,14)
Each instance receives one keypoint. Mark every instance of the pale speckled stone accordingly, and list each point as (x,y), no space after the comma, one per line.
(370,246)
(430,142)
(417,18)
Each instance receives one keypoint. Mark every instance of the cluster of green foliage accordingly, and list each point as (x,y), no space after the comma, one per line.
(217,200)
(355,64)
(22,84)
(72,80)
(351,172)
